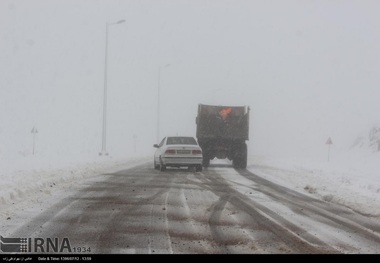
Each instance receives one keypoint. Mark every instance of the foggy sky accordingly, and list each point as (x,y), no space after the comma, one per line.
(307,69)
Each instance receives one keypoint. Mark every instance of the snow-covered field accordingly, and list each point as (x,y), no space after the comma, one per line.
(32,175)
(352,180)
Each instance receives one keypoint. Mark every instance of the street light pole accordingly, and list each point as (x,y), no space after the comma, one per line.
(104,130)
(158,101)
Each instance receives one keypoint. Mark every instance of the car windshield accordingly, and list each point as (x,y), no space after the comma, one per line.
(181,140)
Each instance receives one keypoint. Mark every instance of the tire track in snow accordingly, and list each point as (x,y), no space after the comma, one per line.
(291,235)
(167,228)
(333,215)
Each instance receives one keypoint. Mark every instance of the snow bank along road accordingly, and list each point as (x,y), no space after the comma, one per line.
(219,210)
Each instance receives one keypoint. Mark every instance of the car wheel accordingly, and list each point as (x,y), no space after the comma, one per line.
(198,168)
(155,165)
(162,167)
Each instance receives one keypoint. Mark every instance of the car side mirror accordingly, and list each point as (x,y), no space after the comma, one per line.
(155,145)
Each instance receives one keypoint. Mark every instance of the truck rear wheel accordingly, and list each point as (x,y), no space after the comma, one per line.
(206,161)
(240,158)
(206,158)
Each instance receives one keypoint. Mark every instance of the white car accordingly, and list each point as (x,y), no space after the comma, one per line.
(178,151)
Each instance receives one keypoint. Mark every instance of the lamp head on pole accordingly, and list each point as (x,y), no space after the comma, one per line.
(116,23)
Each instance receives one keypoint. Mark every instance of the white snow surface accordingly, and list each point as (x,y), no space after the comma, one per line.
(36,175)
(352,180)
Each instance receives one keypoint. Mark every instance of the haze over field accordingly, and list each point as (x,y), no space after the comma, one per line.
(308,70)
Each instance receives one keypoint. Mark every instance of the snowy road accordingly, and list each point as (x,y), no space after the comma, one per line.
(220,210)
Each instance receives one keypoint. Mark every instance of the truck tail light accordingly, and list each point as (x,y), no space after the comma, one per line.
(196,152)
(169,151)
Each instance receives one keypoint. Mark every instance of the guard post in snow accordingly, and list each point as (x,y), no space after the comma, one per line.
(329,143)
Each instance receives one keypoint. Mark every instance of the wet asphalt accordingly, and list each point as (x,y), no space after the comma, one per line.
(144,211)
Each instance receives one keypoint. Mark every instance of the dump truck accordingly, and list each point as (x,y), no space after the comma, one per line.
(222,132)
